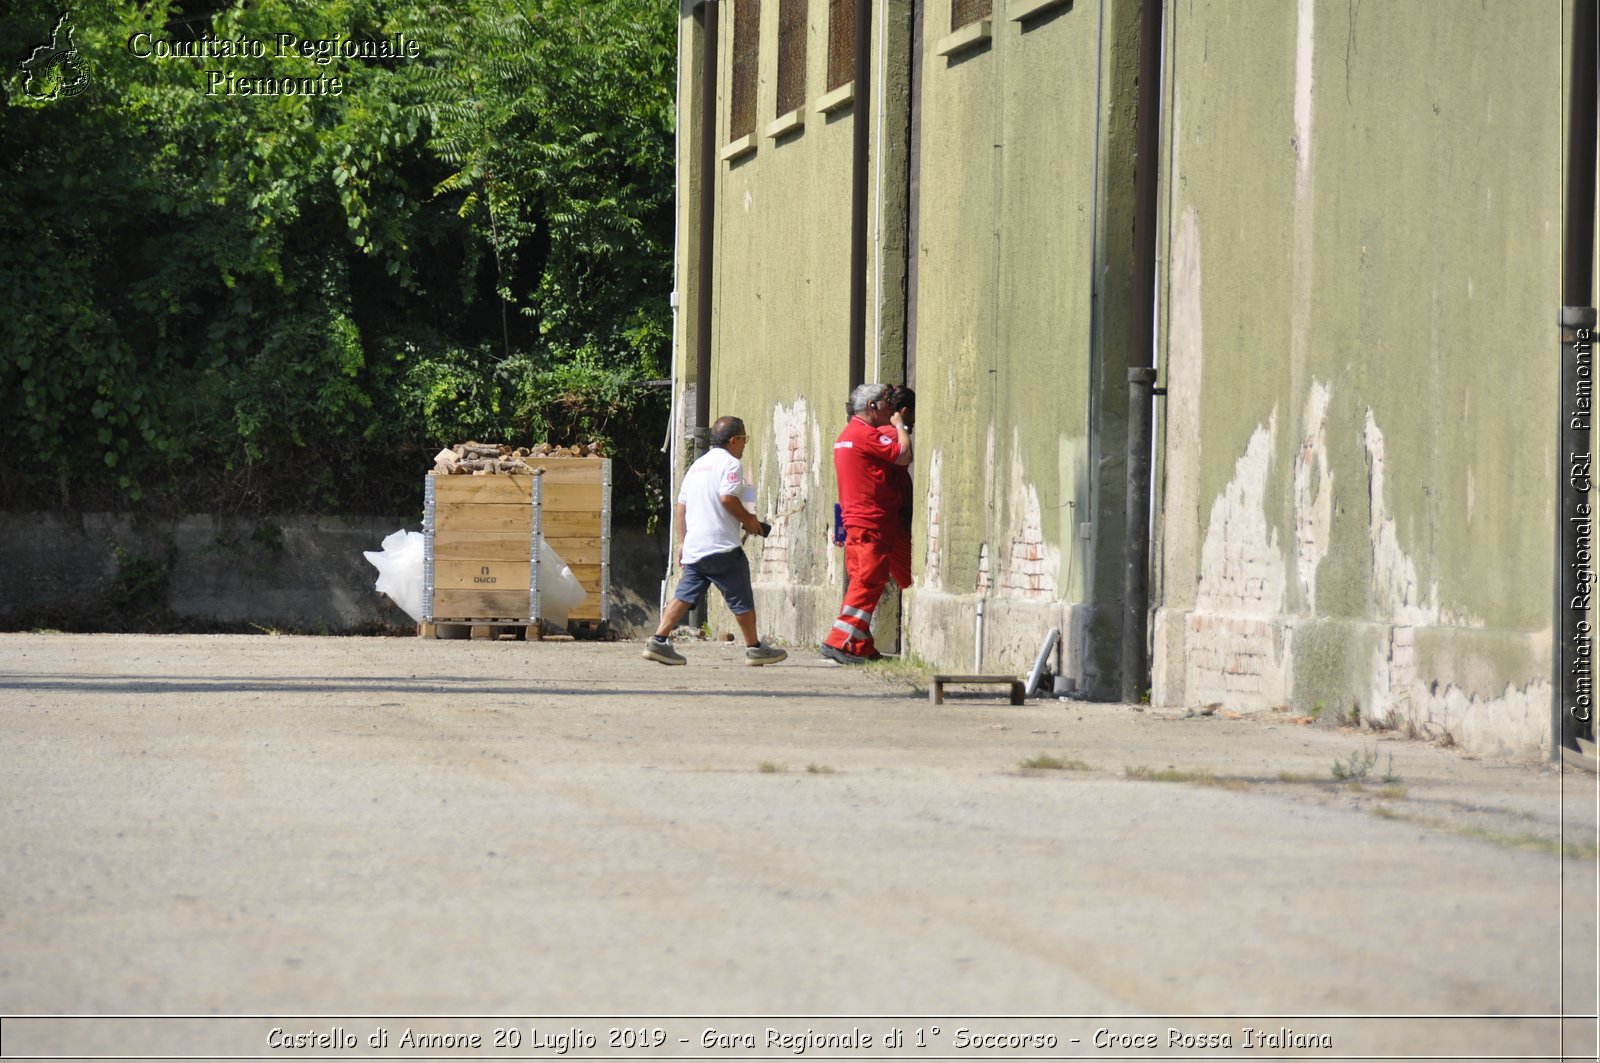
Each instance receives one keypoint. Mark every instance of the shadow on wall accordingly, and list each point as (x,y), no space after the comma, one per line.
(292,574)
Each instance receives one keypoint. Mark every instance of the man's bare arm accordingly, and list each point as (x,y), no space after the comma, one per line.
(747,520)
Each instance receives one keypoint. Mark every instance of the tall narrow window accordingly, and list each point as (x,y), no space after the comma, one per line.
(841,42)
(791,55)
(746,53)
(963,12)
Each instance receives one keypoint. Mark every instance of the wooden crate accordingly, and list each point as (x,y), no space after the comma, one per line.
(481,535)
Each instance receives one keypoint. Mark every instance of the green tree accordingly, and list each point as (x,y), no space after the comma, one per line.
(273,302)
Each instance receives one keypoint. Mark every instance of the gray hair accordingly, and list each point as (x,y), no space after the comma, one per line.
(864,394)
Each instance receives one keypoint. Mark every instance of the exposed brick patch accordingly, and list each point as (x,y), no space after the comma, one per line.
(1030,562)
(1233,652)
(1515,720)
(793,458)
(1029,571)
(1230,659)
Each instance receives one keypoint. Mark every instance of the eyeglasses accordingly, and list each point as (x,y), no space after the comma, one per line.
(741,435)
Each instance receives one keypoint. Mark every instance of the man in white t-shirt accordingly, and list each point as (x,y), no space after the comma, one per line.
(709,514)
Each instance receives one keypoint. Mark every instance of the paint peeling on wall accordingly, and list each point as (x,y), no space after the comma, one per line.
(795,473)
(1516,717)
(1396,588)
(1515,720)
(1232,654)
(1313,495)
(1239,638)
(1033,565)
(932,568)
(816,448)
(1304,68)
(1330,300)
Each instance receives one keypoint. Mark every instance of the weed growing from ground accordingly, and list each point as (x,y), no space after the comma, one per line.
(1203,778)
(1046,762)
(907,669)
(1360,766)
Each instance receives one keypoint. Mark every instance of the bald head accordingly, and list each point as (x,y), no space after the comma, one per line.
(724,429)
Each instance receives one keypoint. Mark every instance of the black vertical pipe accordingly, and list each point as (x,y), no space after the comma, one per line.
(1141,378)
(1575,518)
(701,434)
(913,194)
(1136,546)
(1577,272)
(707,224)
(861,106)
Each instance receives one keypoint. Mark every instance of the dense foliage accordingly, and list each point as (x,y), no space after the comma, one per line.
(257,303)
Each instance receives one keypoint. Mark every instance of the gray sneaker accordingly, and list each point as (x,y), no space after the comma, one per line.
(833,653)
(661,650)
(761,653)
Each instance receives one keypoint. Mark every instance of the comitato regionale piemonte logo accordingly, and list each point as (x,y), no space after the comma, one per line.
(56,69)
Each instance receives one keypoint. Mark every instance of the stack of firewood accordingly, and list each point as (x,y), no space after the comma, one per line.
(479,459)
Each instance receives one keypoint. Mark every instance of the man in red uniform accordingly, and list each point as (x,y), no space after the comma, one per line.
(869,462)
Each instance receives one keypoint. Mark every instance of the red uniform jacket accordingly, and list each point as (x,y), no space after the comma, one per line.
(870,484)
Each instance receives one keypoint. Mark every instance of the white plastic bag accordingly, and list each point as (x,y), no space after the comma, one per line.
(559,590)
(400,574)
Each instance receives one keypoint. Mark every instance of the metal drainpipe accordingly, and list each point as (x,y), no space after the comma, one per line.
(1136,545)
(707,221)
(858,195)
(1141,377)
(1574,658)
(701,435)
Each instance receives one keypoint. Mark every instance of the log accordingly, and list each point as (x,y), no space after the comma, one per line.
(479,459)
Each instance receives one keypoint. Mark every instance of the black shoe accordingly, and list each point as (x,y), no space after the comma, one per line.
(833,653)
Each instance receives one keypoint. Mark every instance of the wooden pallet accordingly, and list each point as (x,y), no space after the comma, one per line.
(936,691)
(509,630)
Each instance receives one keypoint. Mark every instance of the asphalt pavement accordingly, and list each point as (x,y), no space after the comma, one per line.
(303,841)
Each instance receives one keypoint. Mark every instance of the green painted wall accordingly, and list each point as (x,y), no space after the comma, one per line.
(1360,245)
(1023,250)
(1023,247)
(1363,208)
(780,332)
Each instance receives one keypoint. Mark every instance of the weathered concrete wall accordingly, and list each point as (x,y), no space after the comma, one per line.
(1362,273)
(780,334)
(293,572)
(299,572)
(1024,249)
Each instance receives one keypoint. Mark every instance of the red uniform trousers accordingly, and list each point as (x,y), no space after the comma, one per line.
(871,558)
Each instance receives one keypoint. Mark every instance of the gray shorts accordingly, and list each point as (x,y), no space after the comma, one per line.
(730,571)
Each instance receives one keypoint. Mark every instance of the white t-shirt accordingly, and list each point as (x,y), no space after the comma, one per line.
(709,528)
